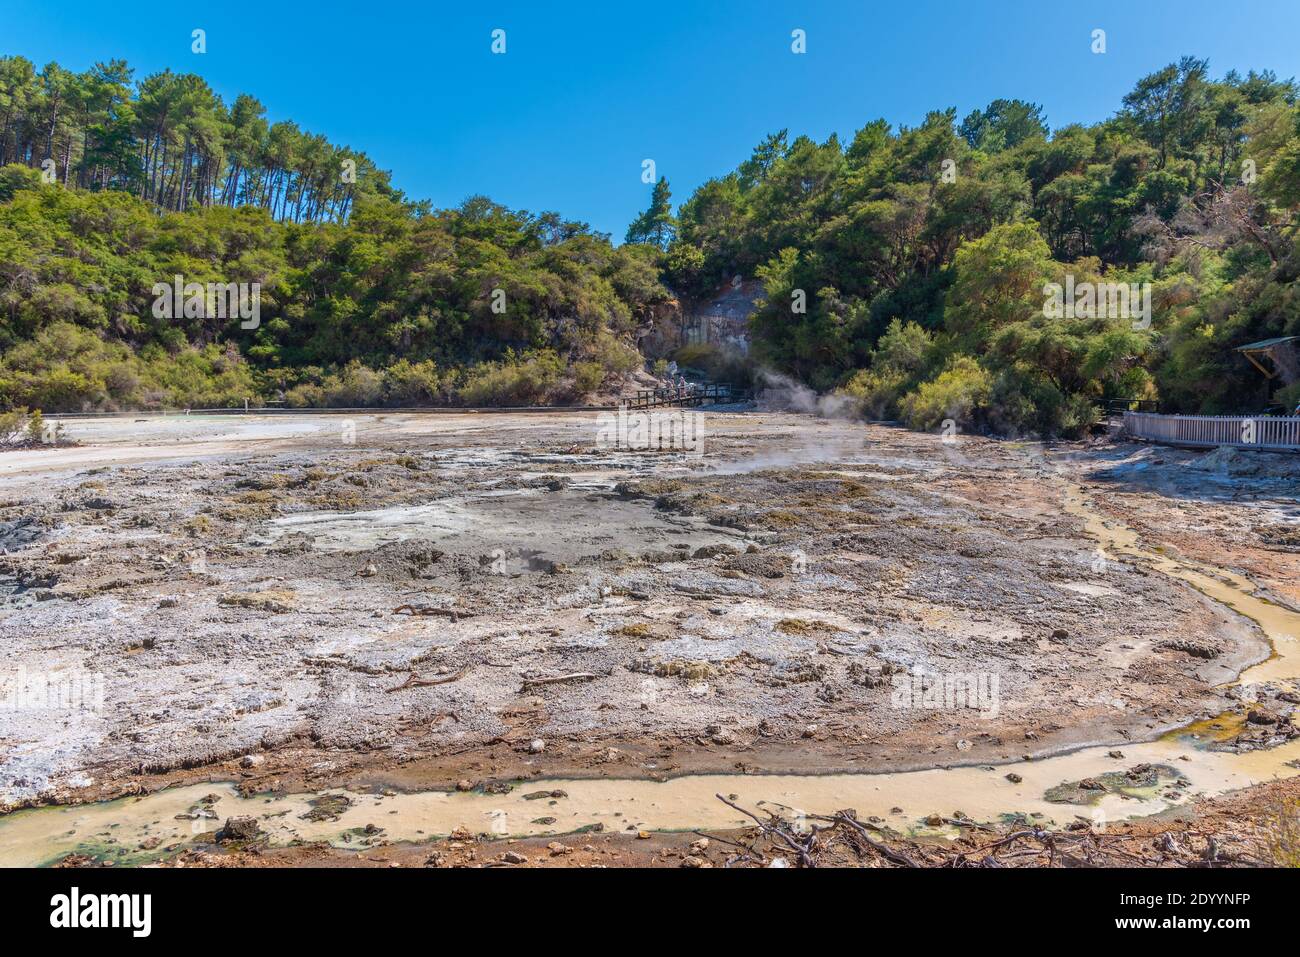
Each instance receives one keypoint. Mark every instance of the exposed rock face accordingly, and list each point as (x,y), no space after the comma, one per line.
(724,321)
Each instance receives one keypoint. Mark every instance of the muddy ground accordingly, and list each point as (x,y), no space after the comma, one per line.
(422,601)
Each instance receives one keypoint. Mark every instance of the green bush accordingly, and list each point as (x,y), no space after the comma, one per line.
(411,383)
(527,381)
(959,393)
(587,377)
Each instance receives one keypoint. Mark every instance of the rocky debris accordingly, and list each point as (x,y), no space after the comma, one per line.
(18,534)
(327,807)
(1262,716)
(1196,647)
(1139,781)
(239,829)
(277,601)
(304,650)
(713,551)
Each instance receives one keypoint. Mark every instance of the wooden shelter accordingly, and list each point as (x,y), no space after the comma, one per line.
(1281,352)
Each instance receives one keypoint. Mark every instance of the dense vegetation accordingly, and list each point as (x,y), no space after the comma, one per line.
(366,299)
(906,269)
(925,291)
(172,141)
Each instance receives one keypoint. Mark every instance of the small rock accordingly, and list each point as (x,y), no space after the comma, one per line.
(239,829)
(1261,716)
(464,785)
(1014,778)
(251,760)
(514,857)
(536,746)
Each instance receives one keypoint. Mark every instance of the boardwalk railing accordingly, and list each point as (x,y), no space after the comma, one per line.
(1243,431)
(689,396)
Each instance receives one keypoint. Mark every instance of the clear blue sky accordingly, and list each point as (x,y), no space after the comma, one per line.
(585,92)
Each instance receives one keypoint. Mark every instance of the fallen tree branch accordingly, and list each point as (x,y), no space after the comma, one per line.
(770,827)
(894,857)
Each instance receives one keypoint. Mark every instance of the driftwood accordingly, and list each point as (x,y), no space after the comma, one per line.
(846,819)
(778,829)
(414,681)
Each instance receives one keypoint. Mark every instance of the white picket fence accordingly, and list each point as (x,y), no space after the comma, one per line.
(1243,431)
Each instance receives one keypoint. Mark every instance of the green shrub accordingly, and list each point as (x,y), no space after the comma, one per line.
(527,381)
(587,377)
(411,383)
(877,393)
(960,392)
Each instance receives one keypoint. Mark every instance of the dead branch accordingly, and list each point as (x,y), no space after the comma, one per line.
(895,857)
(774,827)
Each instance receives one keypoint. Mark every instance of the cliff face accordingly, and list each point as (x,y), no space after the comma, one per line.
(724,320)
(661,332)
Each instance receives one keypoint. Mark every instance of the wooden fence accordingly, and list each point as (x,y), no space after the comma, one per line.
(687,397)
(1242,431)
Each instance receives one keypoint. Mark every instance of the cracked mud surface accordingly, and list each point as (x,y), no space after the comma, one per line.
(389,611)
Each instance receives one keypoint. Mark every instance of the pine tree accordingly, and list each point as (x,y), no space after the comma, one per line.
(656,225)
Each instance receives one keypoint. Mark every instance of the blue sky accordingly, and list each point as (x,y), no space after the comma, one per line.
(585,92)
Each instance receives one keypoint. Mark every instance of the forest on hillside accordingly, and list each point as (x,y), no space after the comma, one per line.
(918,259)
(925,292)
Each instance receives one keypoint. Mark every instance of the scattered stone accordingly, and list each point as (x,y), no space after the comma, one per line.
(239,829)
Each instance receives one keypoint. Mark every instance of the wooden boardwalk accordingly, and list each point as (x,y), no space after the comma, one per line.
(687,398)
